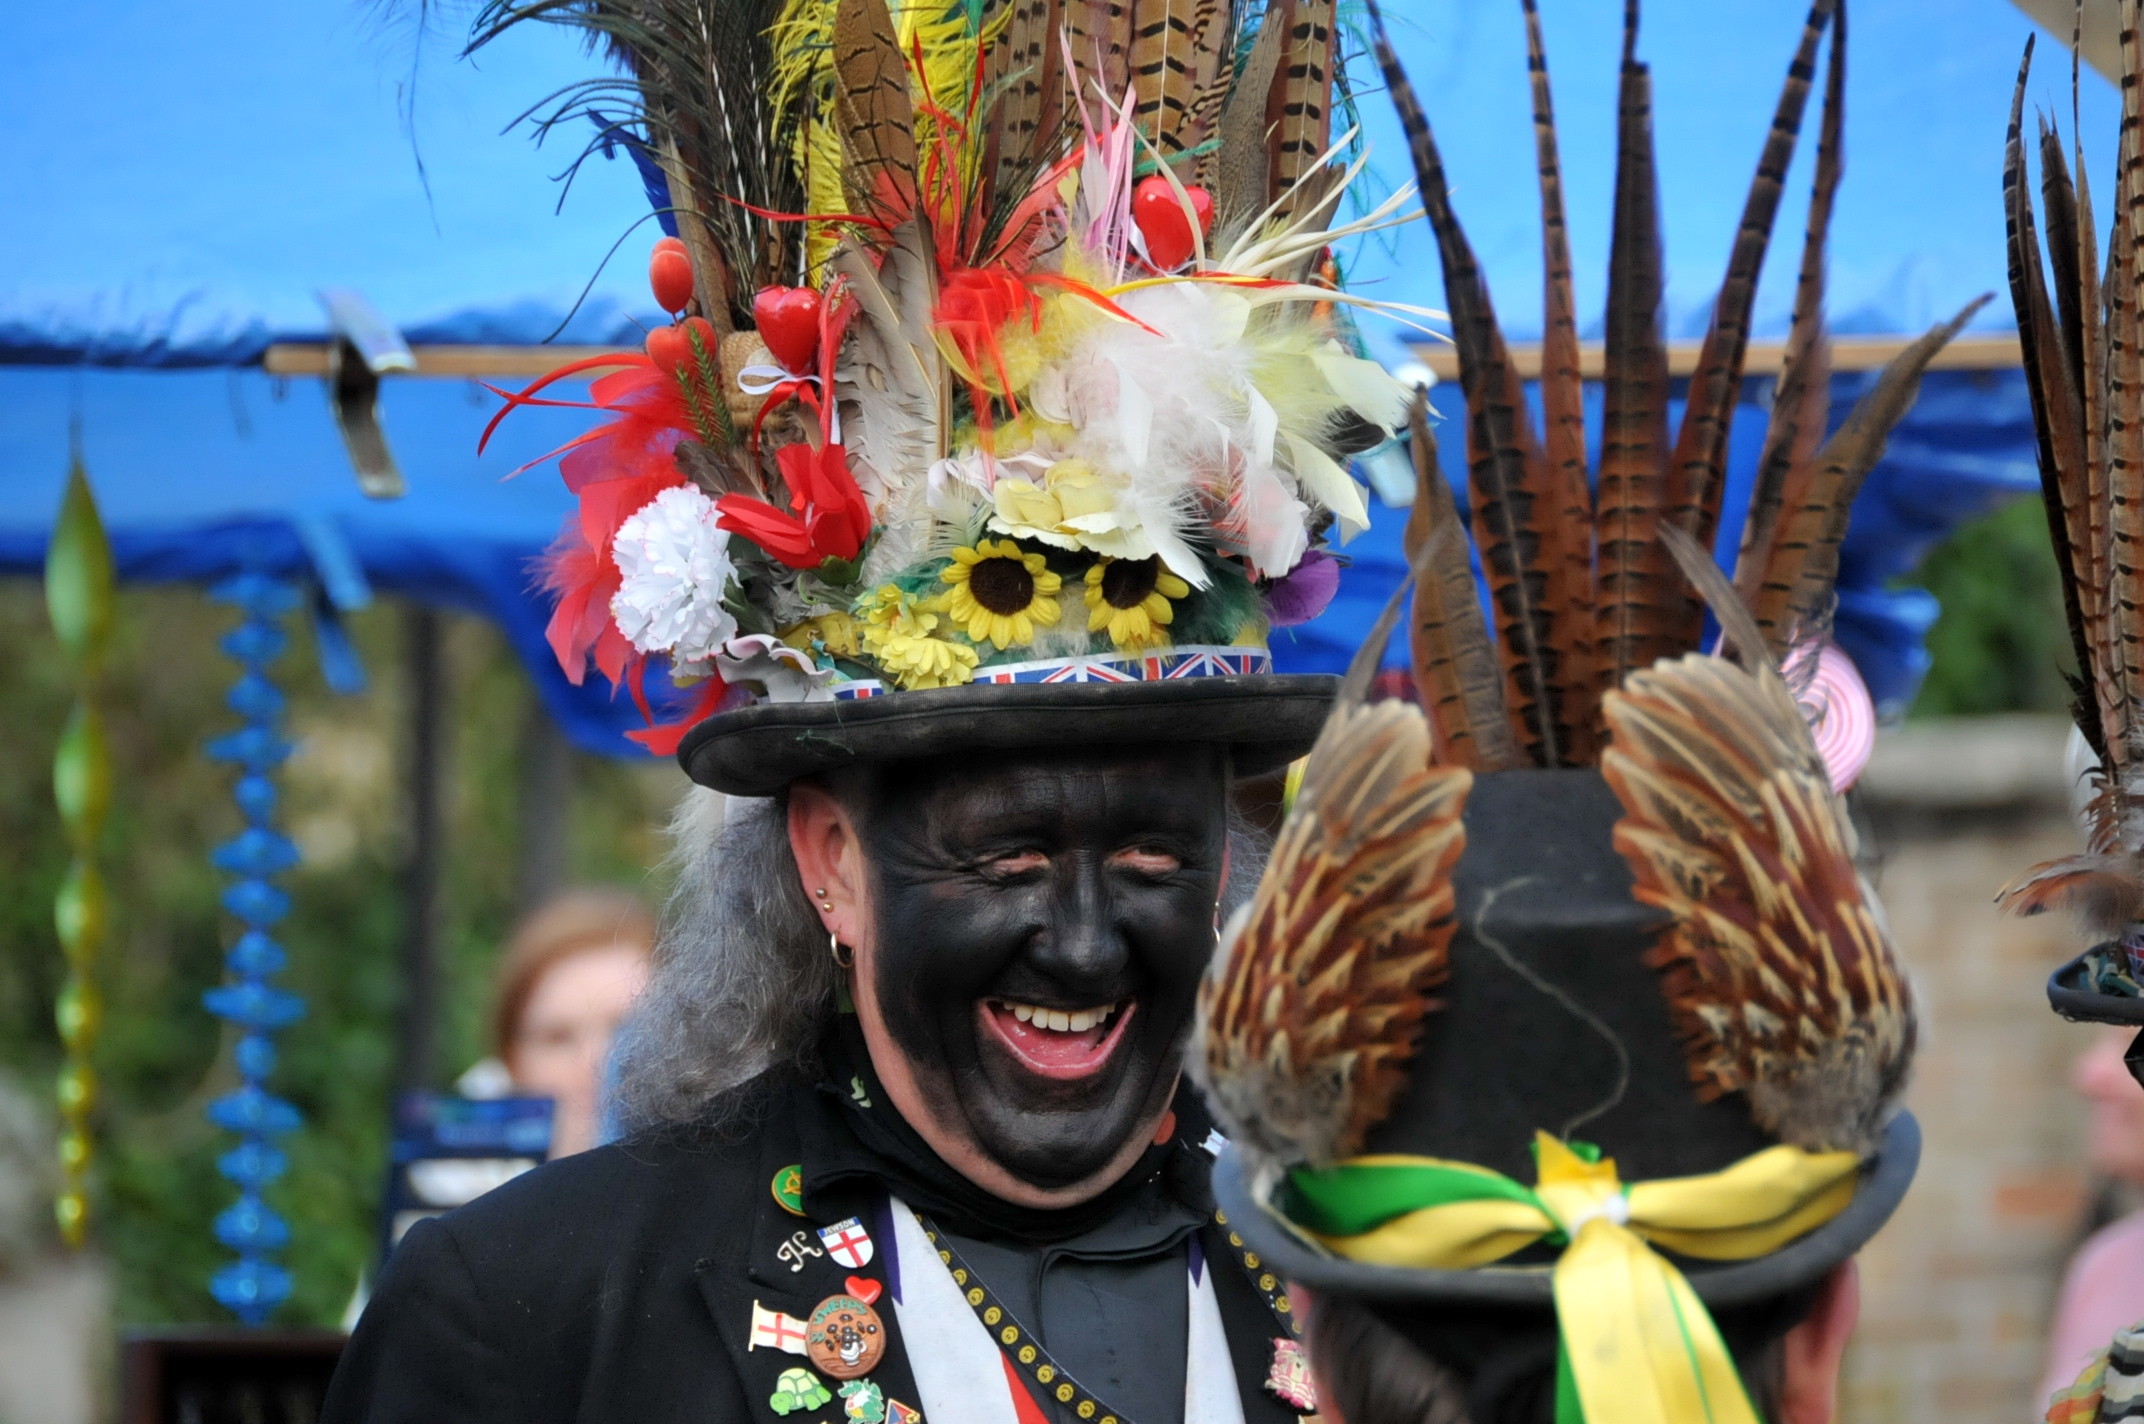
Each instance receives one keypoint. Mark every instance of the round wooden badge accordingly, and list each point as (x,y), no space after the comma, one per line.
(846,1338)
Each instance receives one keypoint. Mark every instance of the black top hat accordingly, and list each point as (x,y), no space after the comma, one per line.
(1480,1036)
(1553,1019)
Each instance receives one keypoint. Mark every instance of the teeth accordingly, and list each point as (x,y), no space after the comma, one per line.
(1062,1020)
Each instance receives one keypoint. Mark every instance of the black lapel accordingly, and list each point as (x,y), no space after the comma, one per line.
(1251,1329)
(781,1264)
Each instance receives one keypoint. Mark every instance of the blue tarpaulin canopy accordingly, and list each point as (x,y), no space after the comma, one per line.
(201,171)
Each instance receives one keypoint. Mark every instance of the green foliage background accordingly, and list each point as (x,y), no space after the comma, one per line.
(2001,642)
(161,1056)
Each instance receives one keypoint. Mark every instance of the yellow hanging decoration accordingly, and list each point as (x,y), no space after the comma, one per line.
(80,598)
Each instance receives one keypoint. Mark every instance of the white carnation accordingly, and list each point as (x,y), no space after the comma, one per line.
(674,559)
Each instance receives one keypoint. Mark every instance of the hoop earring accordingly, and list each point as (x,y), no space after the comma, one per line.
(844,957)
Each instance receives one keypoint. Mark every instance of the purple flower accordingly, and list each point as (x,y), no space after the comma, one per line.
(1303,593)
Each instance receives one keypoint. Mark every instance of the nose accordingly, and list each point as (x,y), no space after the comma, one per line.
(1082,945)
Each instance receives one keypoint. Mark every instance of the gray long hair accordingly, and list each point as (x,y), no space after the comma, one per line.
(743,978)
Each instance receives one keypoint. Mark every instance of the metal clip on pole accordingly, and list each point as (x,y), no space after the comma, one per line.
(365,348)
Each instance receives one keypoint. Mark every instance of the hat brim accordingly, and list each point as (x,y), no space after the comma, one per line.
(2067,996)
(1884,1179)
(1265,720)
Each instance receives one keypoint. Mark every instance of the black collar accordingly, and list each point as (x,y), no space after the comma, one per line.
(849,1130)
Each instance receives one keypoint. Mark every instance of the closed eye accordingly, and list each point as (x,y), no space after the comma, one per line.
(1015,866)
(1151,861)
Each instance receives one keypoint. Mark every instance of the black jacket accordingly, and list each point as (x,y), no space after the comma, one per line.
(619,1285)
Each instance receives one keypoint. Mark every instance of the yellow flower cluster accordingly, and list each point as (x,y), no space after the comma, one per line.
(902,636)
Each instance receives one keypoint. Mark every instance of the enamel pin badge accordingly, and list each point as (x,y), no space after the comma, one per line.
(845,1338)
(798,1389)
(772,1330)
(1290,1377)
(848,1243)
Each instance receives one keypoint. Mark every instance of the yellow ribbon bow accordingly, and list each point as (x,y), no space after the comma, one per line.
(1640,1347)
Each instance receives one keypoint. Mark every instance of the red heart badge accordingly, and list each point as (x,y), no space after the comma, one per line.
(1164,223)
(863,1289)
(788,321)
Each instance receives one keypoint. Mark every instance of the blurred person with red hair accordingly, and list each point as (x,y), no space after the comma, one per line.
(567,979)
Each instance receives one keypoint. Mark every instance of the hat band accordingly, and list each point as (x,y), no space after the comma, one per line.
(1160,665)
(1635,1343)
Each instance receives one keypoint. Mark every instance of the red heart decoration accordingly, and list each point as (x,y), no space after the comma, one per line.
(863,1289)
(670,275)
(788,321)
(667,346)
(1163,222)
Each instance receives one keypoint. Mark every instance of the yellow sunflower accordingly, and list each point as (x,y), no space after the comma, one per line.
(1132,599)
(996,592)
(902,637)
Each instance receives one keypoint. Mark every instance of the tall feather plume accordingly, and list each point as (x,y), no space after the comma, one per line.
(1100,32)
(1567,534)
(1299,105)
(1801,402)
(1162,56)
(1242,186)
(1316,999)
(1508,473)
(874,110)
(698,89)
(2085,370)
(2057,402)
(1455,669)
(1802,564)
(1698,471)
(1776,967)
(1212,69)
(1639,596)
(1024,70)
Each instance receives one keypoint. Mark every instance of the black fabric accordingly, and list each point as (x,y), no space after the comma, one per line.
(1267,721)
(619,1284)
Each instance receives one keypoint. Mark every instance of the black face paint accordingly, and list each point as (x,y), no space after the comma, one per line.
(1065,882)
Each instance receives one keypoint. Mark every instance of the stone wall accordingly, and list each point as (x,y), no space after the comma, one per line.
(1956,1292)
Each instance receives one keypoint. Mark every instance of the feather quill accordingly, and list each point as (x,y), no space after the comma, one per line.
(1699,465)
(1638,595)
(1507,471)
(875,113)
(1299,104)
(1243,171)
(1803,562)
(1455,670)
(1567,533)
(1801,401)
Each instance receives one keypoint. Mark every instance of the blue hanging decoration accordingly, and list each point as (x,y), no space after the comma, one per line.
(254,1285)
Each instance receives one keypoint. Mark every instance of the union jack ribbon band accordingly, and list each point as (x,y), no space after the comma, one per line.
(1160,665)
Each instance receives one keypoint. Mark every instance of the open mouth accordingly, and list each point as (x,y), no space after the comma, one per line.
(1058,1043)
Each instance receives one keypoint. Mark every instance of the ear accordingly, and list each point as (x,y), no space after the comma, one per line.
(829,856)
(1812,1351)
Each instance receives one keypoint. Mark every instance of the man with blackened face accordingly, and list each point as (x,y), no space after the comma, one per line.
(907,1130)
(1028,937)
(967,553)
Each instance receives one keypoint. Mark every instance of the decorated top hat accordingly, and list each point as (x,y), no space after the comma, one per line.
(1562,1008)
(1012,386)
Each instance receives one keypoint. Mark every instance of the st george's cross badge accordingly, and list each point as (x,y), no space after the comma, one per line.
(848,1243)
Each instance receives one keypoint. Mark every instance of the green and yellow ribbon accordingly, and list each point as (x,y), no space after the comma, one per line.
(1637,1345)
